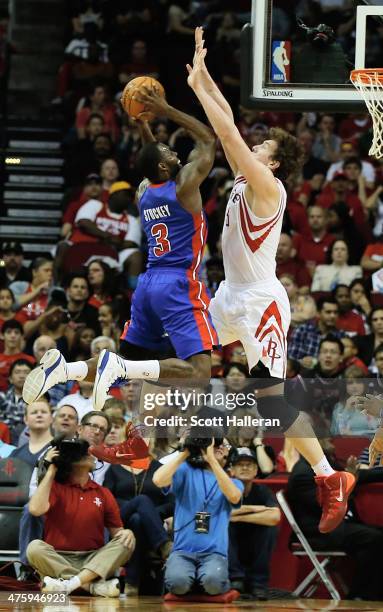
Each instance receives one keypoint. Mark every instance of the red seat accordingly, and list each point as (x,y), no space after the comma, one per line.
(76,256)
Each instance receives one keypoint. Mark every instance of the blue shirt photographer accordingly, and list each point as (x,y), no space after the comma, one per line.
(191,487)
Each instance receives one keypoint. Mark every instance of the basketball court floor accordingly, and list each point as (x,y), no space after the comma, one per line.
(156,604)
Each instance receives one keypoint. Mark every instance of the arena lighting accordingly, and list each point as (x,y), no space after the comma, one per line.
(13,160)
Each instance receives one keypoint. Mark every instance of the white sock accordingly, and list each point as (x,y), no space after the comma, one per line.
(77,370)
(323,468)
(143,369)
(73,583)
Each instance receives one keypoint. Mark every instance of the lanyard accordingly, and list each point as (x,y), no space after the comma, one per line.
(208,495)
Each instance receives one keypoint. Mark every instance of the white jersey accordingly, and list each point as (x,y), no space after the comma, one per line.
(249,243)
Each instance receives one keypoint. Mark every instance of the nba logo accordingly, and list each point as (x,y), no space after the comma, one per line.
(280,61)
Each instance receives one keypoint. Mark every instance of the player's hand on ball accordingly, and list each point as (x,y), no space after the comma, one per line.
(153,102)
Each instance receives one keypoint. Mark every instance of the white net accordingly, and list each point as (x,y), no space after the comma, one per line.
(370,85)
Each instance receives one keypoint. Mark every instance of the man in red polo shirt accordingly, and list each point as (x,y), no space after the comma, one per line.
(77,510)
(313,249)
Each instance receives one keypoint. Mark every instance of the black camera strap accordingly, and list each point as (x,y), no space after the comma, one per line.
(208,495)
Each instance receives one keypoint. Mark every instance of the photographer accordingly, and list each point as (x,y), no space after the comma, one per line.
(205,496)
(72,553)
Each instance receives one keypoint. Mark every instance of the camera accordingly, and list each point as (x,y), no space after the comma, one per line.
(197,441)
(320,36)
(70,449)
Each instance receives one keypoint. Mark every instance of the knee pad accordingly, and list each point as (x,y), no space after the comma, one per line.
(276,407)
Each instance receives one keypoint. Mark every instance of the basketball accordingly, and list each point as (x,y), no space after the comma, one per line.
(133,107)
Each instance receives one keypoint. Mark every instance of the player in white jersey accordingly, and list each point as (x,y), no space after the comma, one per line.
(251,305)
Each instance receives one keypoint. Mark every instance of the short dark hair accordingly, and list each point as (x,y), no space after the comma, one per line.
(328,300)
(12,324)
(70,278)
(20,362)
(334,340)
(352,160)
(340,286)
(88,415)
(147,161)
(289,153)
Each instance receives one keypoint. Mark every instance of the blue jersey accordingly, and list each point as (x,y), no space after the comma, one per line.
(176,238)
(170,303)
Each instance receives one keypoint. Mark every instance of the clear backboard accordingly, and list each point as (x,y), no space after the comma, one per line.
(298,54)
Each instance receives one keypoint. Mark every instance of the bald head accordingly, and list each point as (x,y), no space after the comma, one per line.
(317,218)
(41,345)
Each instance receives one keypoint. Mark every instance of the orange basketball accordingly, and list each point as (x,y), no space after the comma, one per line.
(134,107)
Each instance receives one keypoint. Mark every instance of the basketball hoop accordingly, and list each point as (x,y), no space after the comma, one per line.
(369,82)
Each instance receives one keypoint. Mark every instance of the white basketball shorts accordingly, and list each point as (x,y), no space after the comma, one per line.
(258,315)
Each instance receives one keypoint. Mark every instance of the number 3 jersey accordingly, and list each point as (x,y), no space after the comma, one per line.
(170,304)
(175,236)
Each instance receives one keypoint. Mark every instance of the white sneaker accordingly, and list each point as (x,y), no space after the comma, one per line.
(110,367)
(55,585)
(105,588)
(51,371)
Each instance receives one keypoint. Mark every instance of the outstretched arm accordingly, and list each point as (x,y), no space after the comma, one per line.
(259,177)
(201,158)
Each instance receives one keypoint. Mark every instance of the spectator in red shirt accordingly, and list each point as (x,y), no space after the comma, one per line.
(349,321)
(13,350)
(97,103)
(111,223)
(372,259)
(339,191)
(92,191)
(33,297)
(100,277)
(139,64)
(287,263)
(354,126)
(72,553)
(350,355)
(313,249)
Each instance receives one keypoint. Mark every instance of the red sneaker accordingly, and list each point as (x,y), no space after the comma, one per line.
(333,493)
(134,447)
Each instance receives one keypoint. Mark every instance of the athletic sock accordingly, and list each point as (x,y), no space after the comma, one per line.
(77,370)
(149,370)
(323,468)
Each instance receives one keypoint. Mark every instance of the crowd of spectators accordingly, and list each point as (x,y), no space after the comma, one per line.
(329,258)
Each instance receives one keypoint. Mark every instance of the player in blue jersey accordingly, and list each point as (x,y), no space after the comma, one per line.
(170,304)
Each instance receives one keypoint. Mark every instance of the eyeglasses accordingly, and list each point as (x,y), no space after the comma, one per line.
(224,445)
(96,427)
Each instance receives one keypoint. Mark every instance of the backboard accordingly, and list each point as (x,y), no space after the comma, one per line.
(289,63)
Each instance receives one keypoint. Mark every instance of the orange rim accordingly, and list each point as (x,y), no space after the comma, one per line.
(367,76)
